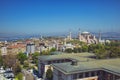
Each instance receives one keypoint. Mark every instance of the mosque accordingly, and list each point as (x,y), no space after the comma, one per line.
(87,37)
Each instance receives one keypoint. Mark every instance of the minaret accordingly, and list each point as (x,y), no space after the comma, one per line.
(79,35)
(94,37)
(99,36)
(70,36)
(41,38)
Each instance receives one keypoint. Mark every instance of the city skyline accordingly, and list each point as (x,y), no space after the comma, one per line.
(45,16)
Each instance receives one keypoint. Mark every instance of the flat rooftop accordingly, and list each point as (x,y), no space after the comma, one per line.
(77,56)
(109,65)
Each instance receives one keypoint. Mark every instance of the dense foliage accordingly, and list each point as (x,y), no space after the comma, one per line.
(1,60)
(19,76)
(107,50)
(35,58)
(22,57)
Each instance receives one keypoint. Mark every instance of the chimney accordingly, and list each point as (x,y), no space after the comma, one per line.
(74,62)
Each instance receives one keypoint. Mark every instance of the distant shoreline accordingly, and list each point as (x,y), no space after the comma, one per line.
(14,38)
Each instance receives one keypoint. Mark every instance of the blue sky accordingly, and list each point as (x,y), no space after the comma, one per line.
(48,16)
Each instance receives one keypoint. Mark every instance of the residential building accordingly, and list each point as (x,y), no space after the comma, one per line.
(4,50)
(15,48)
(30,48)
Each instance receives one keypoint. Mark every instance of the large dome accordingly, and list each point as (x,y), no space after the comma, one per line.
(85,32)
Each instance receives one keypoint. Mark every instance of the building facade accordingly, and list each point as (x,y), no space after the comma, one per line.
(87,37)
(30,48)
(4,50)
(79,66)
(45,61)
(90,70)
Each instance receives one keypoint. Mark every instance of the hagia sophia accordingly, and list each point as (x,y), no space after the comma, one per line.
(86,37)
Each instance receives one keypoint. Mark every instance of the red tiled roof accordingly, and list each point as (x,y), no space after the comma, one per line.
(17,46)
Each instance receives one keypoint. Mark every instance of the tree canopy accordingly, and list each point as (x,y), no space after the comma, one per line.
(22,57)
(1,60)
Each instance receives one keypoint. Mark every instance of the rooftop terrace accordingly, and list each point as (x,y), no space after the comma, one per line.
(78,56)
(109,65)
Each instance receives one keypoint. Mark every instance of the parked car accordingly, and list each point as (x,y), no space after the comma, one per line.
(9,74)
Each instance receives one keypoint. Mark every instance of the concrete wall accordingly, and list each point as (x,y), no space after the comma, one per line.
(57,75)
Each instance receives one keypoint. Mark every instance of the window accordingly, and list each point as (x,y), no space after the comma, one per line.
(80,75)
(86,74)
(92,74)
(74,76)
(49,62)
(57,61)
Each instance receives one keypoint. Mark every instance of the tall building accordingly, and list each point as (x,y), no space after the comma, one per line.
(4,50)
(30,48)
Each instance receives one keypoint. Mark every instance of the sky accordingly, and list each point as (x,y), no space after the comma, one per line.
(50,16)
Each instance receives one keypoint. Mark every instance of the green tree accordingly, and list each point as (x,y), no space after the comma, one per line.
(114,52)
(53,50)
(68,50)
(9,60)
(19,76)
(1,59)
(47,52)
(26,64)
(22,57)
(49,74)
(99,46)
(85,48)
(91,47)
(79,50)
(101,53)
(35,57)
(17,68)
(75,50)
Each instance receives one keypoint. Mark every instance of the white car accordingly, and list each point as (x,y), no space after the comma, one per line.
(9,74)
(2,70)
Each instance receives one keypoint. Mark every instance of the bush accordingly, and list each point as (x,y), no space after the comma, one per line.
(69,50)
(19,76)
(26,64)
(49,74)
